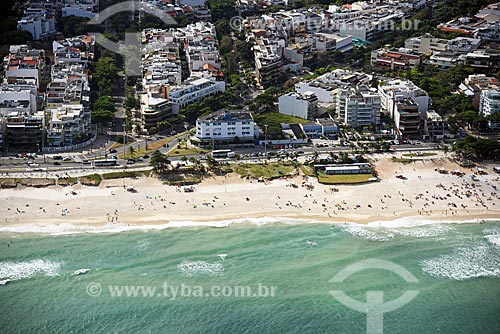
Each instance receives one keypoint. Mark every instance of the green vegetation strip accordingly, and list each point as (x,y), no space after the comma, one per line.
(344,179)
(268,171)
(307,170)
(153,146)
(91,180)
(186,151)
(119,175)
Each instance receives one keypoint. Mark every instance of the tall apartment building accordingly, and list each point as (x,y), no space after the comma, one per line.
(299,105)
(24,132)
(397,90)
(435,126)
(40,22)
(407,119)
(15,100)
(358,106)
(268,62)
(490,104)
(67,125)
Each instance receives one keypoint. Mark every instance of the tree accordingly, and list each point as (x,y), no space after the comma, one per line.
(244,50)
(105,102)
(226,45)
(102,117)
(160,162)
(106,73)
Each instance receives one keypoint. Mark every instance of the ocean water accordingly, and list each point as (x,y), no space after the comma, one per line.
(282,271)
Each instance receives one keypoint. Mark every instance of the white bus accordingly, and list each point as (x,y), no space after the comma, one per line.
(105,162)
(222,153)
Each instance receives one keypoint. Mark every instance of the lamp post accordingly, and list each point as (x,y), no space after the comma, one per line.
(265,141)
(124,138)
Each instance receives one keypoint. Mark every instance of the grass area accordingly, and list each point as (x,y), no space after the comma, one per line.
(153,146)
(274,119)
(268,171)
(174,179)
(67,181)
(416,155)
(177,152)
(402,160)
(91,180)
(344,178)
(119,175)
(36,182)
(308,170)
(8,183)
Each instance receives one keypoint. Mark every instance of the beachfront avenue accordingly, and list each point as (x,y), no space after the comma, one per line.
(174,291)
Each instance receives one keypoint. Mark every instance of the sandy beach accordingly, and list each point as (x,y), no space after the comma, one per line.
(425,194)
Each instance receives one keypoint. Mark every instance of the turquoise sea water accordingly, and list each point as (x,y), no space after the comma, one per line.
(457,267)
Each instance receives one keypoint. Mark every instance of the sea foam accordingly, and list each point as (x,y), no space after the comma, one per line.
(493,236)
(369,233)
(191,268)
(12,271)
(464,263)
(426,231)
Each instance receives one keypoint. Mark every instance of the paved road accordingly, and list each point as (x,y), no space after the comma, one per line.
(46,162)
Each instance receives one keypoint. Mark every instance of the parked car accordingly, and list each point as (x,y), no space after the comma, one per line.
(86,162)
(57,157)
(145,156)
(113,151)
(57,163)
(67,159)
(130,161)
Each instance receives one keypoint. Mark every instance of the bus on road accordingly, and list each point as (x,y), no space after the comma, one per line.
(222,154)
(105,162)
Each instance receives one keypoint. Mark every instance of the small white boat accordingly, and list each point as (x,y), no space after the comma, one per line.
(222,256)
(81,272)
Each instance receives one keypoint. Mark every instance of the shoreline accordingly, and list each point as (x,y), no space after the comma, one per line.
(69,228)
(227,200)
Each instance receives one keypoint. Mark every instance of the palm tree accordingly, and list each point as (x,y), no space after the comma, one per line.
(315,156)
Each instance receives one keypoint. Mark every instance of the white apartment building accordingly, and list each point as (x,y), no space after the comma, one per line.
(358,106)
(325,86)
(299,105)
(80,10)
(24,65)
(397,90)
(268,62)
(39,22)
(67,125)
(429,44)
(490,104)
(192,91)
(226,126)
(18,98)
(154,109)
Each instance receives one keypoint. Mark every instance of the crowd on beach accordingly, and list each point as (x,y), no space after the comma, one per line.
(423,193)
